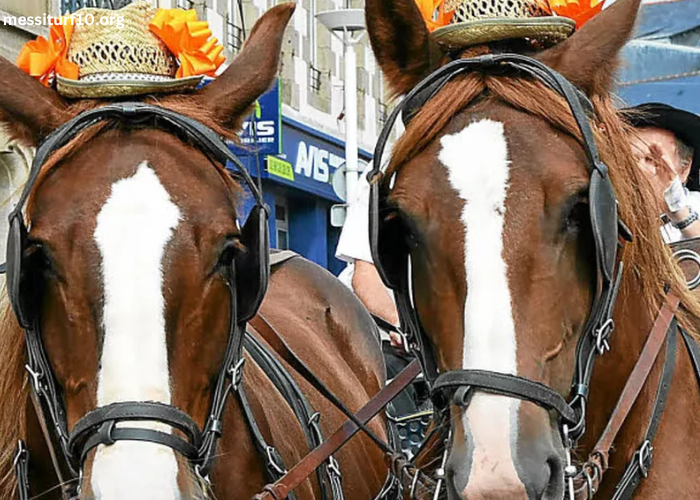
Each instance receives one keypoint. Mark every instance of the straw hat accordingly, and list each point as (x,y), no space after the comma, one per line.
(457,24)
(131,51)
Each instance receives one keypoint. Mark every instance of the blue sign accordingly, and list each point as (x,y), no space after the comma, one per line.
(314,158)
(268,126)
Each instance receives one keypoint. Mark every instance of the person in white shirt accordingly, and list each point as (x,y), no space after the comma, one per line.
(667,147)
(361,275)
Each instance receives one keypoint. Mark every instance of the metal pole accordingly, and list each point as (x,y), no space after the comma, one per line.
(350,118)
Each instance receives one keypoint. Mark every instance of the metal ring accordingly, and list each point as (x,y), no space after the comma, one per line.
(687,254)
(589,482)
(414,483)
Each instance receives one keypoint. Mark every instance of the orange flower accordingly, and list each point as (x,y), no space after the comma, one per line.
(434,15)
(189,40)
(43,58)
(580,11)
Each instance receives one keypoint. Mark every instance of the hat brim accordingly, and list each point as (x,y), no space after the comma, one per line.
(684,124)
(80,89)
(547,30)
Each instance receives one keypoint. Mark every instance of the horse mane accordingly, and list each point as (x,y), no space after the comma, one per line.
(14,394)
(649,266)
(14,389)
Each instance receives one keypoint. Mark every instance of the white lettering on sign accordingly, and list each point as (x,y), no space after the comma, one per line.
(316,163)
(265,131)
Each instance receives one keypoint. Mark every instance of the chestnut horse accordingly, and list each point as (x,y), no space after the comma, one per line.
(490,184)
(130,228)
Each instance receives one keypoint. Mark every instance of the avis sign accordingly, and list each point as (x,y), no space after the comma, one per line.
(268,126)
(315,158)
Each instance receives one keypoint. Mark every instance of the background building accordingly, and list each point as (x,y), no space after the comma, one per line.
(300,123)
(663,62)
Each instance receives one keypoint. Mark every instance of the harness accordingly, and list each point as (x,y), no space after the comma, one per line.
(392,242)
(248,271)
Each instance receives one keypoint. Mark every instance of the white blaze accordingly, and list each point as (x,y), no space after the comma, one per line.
(133,229)
(477,163)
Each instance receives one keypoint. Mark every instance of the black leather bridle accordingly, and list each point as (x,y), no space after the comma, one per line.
(246,276)
(392,242)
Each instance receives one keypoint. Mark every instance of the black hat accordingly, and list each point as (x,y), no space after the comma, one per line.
(684,124)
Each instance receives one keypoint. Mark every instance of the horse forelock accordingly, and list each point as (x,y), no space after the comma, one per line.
(649,266)
(183,104)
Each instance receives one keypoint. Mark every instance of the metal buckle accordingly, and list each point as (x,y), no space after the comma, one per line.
(602,336)
(405,341)
(334,467)
(203,478)
(272,461)
(570,469)
(440,471)
(21,453)
(644,458)
(36,378)
(236,373)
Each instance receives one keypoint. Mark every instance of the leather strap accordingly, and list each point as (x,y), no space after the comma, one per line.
(21,466)
(507,385)
(638,467)
(310,462)
(262,325)
(591,475)
(328,474)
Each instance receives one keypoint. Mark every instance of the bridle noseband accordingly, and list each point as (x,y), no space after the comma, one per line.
(392,257)
(99,427)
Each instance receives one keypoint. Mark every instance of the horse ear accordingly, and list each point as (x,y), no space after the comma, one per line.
(589,58)
(252,72)
(29,110)
(401,42)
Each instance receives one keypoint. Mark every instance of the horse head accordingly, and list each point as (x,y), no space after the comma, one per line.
(488,192)
(131,230)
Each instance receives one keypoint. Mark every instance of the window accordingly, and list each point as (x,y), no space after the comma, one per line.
(282,223)
(382,112)
(234,27)
(314,78)
(312,27)
(68,6)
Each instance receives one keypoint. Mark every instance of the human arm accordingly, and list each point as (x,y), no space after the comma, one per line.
(370,289)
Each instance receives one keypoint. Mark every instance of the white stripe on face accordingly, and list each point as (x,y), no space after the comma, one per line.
(133,229)
(477,163)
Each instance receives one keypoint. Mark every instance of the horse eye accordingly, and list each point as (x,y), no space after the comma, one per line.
(231,247)
(577,216)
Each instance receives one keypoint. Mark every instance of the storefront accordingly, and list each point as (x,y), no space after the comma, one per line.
(297,165)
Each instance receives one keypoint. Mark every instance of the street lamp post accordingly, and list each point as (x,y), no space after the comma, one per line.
(350,23)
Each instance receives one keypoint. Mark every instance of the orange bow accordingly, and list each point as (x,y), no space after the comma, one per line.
(43,58)
(189,40)
(580,11)
(433,12)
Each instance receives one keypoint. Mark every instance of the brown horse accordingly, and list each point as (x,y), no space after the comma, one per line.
(491,185)
(132,225)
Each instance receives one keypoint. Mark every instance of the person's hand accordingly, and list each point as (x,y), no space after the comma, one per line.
(396,340)
(663,173)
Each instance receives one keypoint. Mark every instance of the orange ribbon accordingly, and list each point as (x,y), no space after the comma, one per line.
(189,40)
(43,58)
(433,12)
(580,11)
